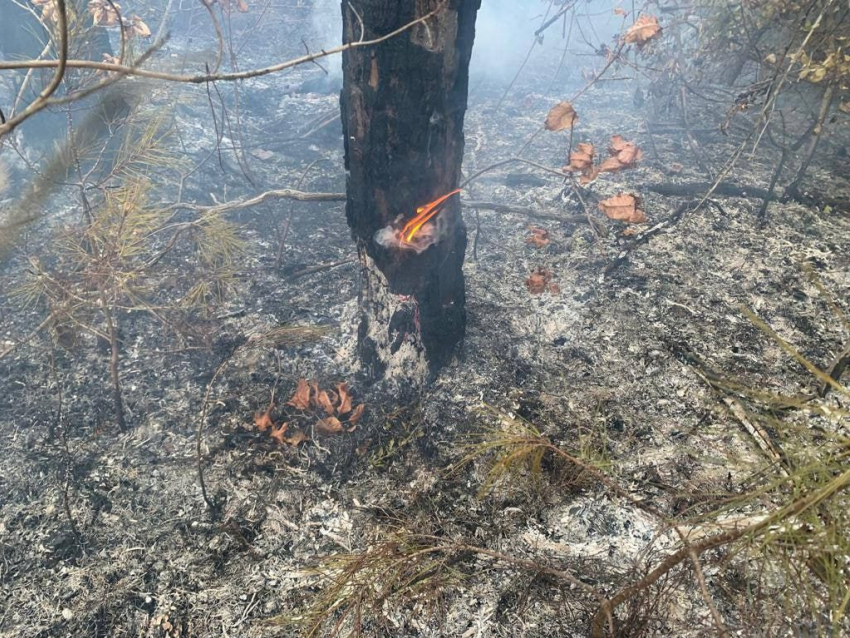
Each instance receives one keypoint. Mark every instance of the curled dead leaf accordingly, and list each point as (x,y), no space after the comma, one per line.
(139,28)
(644,29)
(561,116)
(627,153)
(539,237)
(358,412)
(611,165)
(623,207)
(104,14)
(581,159)
(314,394)
(298,437)
(324,401)
(540,281)
(263,420)
(301,399)
(330,425)
(344,399)
(279,433)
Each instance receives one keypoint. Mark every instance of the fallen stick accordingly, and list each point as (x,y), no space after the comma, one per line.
(694,189)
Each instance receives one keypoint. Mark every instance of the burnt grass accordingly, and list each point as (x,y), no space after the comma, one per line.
(602,362)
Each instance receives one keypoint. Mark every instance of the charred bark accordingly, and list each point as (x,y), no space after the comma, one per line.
(403,104)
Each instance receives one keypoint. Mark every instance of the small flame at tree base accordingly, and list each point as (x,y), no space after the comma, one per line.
(415,235)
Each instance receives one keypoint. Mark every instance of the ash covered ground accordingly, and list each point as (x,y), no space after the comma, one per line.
(598,362)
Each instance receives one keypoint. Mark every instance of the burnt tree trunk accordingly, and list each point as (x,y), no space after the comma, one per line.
(403,104)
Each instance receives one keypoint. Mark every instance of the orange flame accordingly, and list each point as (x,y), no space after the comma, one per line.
(423,214)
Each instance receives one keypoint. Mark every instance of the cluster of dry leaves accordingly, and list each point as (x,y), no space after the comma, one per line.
(336,409)
(106,14)
(621,155)
(540,281)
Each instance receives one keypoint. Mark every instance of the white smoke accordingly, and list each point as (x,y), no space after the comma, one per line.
(327,30)
(432,232)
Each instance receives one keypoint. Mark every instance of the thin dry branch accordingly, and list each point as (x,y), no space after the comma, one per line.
(213,77)
(41,101)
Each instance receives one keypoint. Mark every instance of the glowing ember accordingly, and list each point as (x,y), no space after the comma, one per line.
(423,214)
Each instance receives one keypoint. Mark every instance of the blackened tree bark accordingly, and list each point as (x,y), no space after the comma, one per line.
(403,104)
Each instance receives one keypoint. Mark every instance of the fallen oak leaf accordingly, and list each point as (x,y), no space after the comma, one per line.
(263,420)
(330,425)
(540,281)
(344,399)
(627,153)
(298,437)
(324,402)
(560,117)
(278,433)
(623,207)
(539,237)
(611,165)
(301,399)
(358,412)
(581,159)
(314,394)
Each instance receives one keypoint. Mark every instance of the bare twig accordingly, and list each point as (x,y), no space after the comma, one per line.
(61,64)
(213,77)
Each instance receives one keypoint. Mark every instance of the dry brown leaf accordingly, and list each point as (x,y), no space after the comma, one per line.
(301,399)
(358,412)
(539,237)
(581,159)
(330,425)
(263,420)
(623,207)
(314,394)
(103,14)
(279,433)
(644,29)
(844,107)
(139,28)
(626,153)
(629,231)
(325,402)
(619,11)
(560,117)
(298,436)
(344,399)
(611,165)
(241,6)
(589,175)
(540,281)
